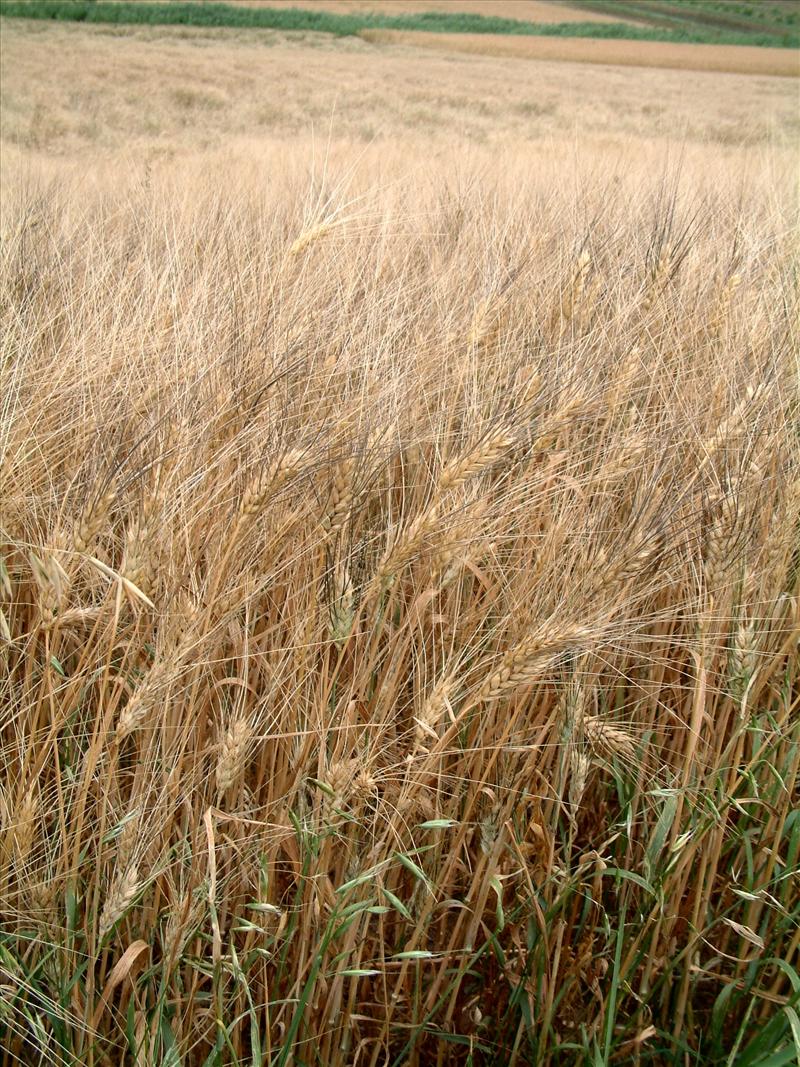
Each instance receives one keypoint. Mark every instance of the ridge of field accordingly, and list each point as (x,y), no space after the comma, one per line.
(209,85)
(220,14)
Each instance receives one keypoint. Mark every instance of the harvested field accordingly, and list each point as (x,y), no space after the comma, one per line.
(736,59)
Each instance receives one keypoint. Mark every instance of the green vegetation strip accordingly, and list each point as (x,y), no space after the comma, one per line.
(241,16)
(764,17)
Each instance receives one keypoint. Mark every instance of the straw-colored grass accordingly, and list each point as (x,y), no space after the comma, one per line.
(399,620)
(398,585)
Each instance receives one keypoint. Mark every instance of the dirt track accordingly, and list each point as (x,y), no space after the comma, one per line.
(732,59)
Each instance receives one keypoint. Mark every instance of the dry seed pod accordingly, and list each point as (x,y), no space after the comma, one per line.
(43,897)
(658,278)
(484,323)
(264,485)
(341,497)
(579,775)
(122,895)
(406,545)
(721,545)
(134,714)
(342,611)
(146,697)
(91,521)
(139,562)
(23,826)
(127,839)
(619,388)
(722,309)
(734,426)
(233,754)
(608,740)
(491,449)
(572,298)
(454,557)
(310,236)
(576,700)
(743,661)
(50,580)
(627,460)
(527,387)
(344,779)
(430,714)
(526,662)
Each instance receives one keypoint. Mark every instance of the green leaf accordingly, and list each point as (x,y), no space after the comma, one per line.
(630,876)
(794,1023)
(662,829)
(418,872)
(397,904)
(365,876)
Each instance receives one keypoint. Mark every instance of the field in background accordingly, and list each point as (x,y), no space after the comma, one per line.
(739,59)
(68,89)
(399,488)
(528,10)
(355,21)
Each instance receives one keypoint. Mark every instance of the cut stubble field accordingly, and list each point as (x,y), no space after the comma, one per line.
(399,499)
(734,59)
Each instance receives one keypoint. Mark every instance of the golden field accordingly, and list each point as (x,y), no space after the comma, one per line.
(69,90)
(399,501)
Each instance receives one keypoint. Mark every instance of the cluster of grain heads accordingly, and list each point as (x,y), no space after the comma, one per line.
(374,525)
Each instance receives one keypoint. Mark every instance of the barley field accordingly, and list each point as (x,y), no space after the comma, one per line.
(399,562)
